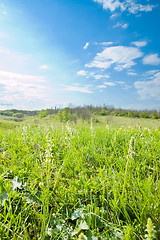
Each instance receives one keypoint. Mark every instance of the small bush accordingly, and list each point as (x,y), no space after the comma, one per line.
(63,115)
(43,113)
(104,113)
(18,115)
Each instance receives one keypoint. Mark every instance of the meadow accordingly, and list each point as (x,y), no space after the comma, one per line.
(95,179)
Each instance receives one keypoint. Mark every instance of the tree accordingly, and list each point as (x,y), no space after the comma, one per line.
(63,115)
(144,115)
(66,114)
(59,116)
(43,113)
(155,115)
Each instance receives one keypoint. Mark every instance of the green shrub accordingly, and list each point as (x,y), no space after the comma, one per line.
(43,113)
(104,113)
(63,115)
(155,116)
(18,115)
(144,115)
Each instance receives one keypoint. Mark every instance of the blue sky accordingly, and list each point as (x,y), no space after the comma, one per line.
(60,52)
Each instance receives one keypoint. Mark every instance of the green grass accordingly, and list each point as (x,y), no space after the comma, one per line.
(128,122)
(79,181)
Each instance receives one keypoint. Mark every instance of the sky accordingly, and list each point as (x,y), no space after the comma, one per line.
(84,52)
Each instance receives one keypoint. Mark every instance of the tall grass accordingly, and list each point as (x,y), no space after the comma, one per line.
(61,182)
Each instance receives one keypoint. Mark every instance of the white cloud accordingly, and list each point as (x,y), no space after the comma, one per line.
(106,43)
(44,67)
(135,7)
(114,15)
(140,43)
(17,86)
(124,26)
(77,89)
(125,5)
(86,45)
(121,56)
(123,84)
(151,59)
(132,73)
(87,74)
(120,82)
(111,84)
(150,88)
(101,86)
(99,64)
(100,76)
(112,5)
(151,73)
(82,73)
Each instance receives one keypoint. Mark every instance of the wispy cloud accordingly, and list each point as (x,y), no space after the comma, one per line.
(131,72)
(82,73)
(77,89)
(125,5)
(106,43)
(140,43)
(151,59)
(44,67)
(17,86)
(86,45)
(124,85)
(121,56)
(150,73)
(124,26)
(114,15)
(101,86)
(100,76)
(149,88)
(111,84)
(94,75)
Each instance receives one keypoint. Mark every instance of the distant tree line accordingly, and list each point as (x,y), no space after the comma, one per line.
(131,113)
(83,112)
(11,112)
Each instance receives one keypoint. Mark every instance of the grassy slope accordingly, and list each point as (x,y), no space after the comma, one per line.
(62,181)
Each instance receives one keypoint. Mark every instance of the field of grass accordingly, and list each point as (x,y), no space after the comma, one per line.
(95,180)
